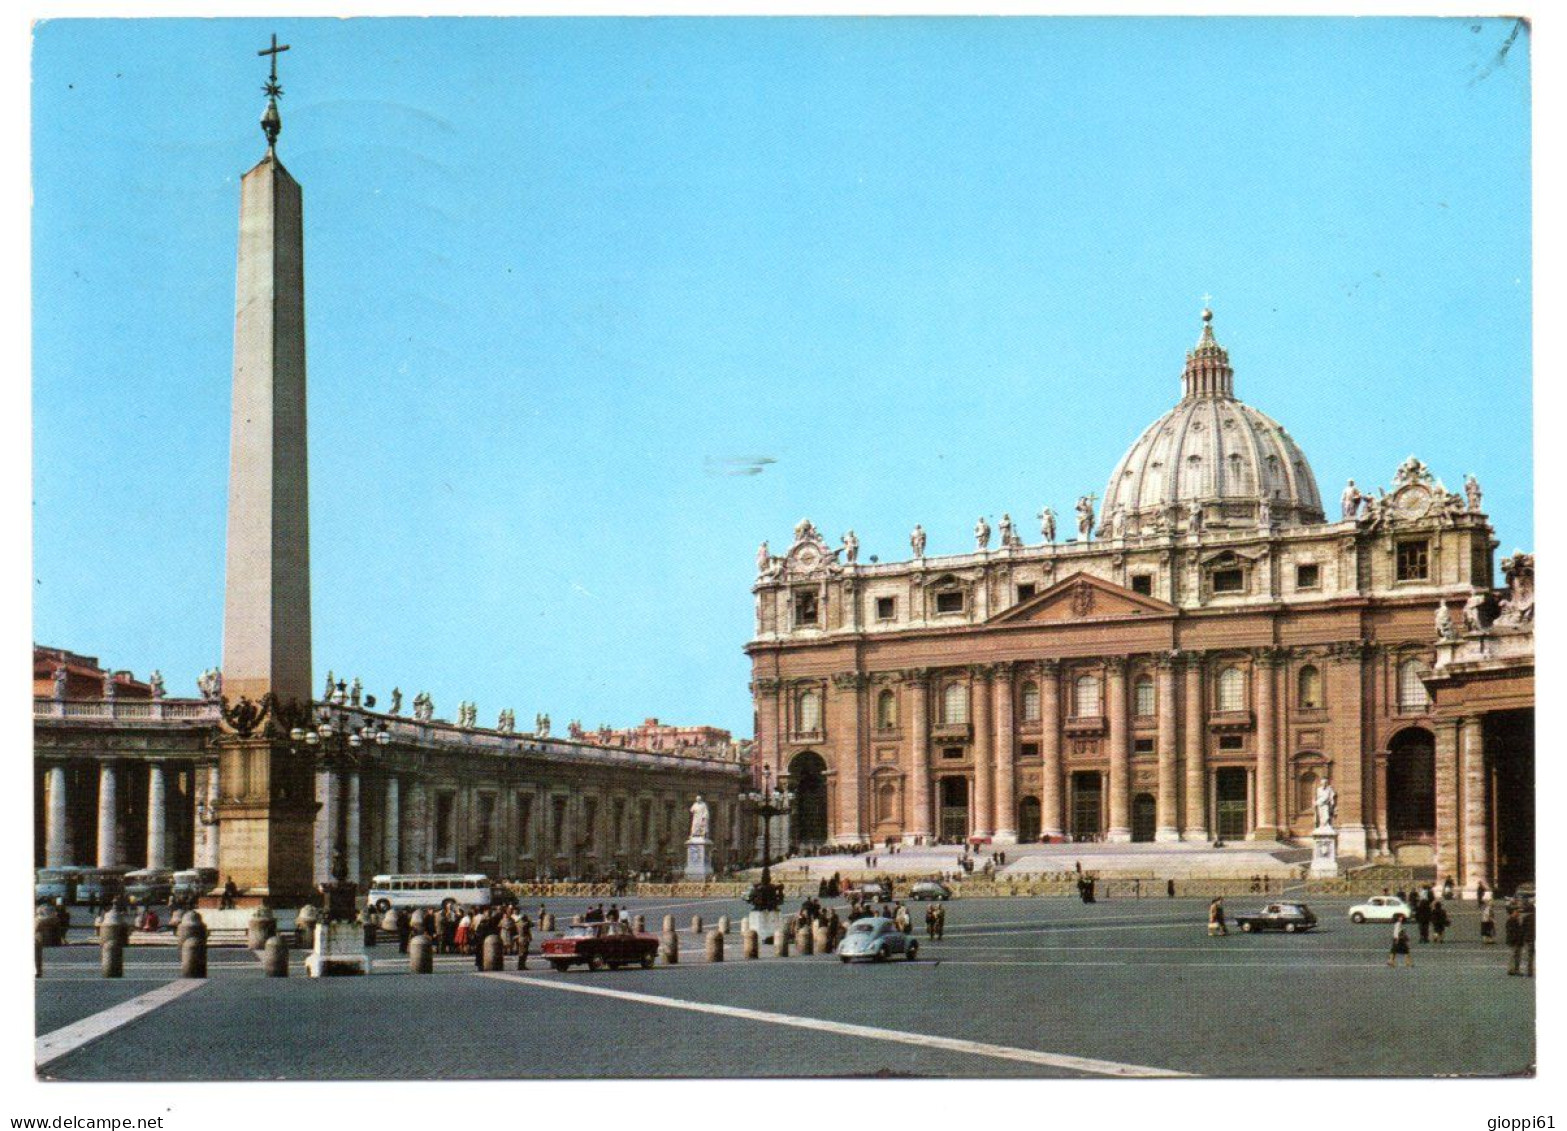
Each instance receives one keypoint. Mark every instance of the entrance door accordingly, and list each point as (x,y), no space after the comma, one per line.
(1143,817)
(1229,792)
(954,809)
(808,779)
(1086,793)
(1509,740)
(1028,820)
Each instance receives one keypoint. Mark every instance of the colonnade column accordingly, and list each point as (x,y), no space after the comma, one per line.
(1050,822)
(1267,826)
(1448,818)
(984,768)
(1195,753)
(157,820)
(204,808)
(1006,796)
(352,835)
(326,824)
(108,816)
(1120,830)
(1477,840)
(1167,815)
(391,842)
(56,836)
(919,757)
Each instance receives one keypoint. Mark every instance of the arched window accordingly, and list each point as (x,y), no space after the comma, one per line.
(1232,690)
(1085,696)
(1143,696)
(1412,696)
(954,704)
(1310,684)
(886,709)
(1030,702)
(810,712)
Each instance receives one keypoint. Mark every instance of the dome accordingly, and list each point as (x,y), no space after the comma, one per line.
(1211,460)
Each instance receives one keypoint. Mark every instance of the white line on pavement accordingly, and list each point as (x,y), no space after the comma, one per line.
(867,1032)
(52,1046)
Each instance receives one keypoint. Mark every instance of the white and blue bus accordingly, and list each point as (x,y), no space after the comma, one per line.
(430,890)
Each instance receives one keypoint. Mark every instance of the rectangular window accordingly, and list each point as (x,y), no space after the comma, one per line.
(1029,750)
(1143,583)
(950,601)
(886,608)
(1413,561)
(1231,742)
(805,607)
(1142,746)
(1025,592)
(1308,576)
(1229,581)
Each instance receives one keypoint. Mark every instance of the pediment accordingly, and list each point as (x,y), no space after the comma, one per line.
(1083,597)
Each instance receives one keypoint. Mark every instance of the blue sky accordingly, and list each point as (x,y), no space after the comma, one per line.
(562,275)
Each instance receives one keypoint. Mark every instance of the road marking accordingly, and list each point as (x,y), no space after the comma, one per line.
(51,1046)
(865,1032)
(1217,965)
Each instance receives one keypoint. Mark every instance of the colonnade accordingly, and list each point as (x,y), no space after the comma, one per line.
(164,846)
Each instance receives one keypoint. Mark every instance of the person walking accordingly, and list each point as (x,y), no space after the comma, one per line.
(1423,917)
(1400,945)
(1439,921)
(1488,921)
(1216,925)
(930,921)
(1447,888)
(1480,890)
(1169,889)
(404,929)
(941,921)
(1520,938)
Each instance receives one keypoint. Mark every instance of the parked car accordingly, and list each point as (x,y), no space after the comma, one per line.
(1380,909)
(149,887)
(1289,917)
(930,889)
(597,945)
(877,940)
(872,889)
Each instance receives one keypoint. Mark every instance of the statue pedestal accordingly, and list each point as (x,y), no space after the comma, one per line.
(1324,853)
(339,949)
(764,923)
(699,858)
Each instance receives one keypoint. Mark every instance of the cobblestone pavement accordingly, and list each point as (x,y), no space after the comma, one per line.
(1017,988)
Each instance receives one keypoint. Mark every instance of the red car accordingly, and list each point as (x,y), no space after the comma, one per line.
(599,945)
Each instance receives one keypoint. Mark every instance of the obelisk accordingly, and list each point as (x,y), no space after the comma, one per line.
(267,796)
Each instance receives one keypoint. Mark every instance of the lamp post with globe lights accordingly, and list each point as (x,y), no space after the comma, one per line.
(767,803)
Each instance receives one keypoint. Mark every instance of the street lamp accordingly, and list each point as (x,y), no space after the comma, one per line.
(767,803)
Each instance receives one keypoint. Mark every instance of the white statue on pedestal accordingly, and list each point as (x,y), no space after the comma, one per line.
(699,818)
(1326,804)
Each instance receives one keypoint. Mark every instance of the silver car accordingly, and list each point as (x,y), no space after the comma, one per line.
(876,940)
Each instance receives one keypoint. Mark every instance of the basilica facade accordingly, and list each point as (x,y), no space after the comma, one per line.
(1209,649)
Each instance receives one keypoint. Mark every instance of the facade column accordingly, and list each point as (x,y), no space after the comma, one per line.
(1168,816)
(108,816)
(57,849)
(1379,801)
(1447,812)
(1477,809)
(1050,807)
(1006,793)
(392,840)
(1120,830)
(1346,692)
(326,824)
(844,721)
(157,817)
(1267,826)
(352,836)
(919,827)
(982,822)
(1195,752)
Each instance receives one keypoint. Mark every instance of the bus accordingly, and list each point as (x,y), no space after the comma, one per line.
(430,890)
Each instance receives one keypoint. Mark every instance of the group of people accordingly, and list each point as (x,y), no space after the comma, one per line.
(453,929)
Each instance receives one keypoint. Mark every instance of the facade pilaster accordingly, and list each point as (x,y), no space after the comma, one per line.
(1120,777)
(982,824)
(847,740)
(1195,752)
(1051,822)
(1448,830)
(919,829)
(1006,745)
(1352,764)
(1265,676)
(108,816)
(1167,819)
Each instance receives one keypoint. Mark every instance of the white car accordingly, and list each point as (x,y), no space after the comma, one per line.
(1381,909)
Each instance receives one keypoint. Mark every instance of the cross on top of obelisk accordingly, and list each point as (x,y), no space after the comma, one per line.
(272,121)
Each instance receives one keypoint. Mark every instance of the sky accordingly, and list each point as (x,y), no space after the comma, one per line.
(596,306)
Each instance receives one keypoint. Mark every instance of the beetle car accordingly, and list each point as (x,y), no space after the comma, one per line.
(1289,917)
(876,940)
(930,889)
(1380,909)
(597,945)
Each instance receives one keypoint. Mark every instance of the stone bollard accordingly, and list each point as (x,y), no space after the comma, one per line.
(723,924)
(47,930)
(781,942)
(715,945)
(38,955)
(492,957)
(274,957)
(191,927)
(639,924)
(370,934)
(669,948)
(669,924)
(807,939)
(822,942)
(751,943)
(547,921)
(262,926)
(193,958)
(305,925)
(111,957)
(421,958)
(696,924)
(115,926)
